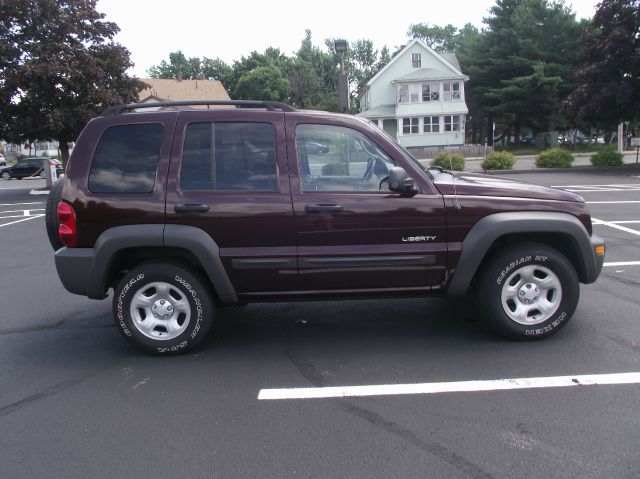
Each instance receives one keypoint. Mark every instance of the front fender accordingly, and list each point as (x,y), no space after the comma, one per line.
(489,229)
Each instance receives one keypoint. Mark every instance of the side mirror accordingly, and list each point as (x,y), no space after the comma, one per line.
(400,182)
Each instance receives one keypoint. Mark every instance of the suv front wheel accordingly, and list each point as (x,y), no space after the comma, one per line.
(528,291)
(163,307)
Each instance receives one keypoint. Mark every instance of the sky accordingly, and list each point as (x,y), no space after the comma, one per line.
(151,29)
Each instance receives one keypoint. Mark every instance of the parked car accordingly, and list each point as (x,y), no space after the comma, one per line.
(181,210)
(315,148)
(3,160)
(29,167)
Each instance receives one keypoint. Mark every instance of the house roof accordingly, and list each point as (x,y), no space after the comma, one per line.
(444,58)
(452,58)
(161,89)
(425,74)
(382,111)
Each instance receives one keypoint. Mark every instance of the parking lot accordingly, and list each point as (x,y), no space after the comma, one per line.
(376,388)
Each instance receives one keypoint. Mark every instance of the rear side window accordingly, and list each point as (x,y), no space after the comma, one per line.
(126,159)
(229,157)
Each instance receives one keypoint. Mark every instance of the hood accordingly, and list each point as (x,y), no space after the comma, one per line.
(484,185)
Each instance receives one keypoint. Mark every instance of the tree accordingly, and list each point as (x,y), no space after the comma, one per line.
(441,39)
(59,68)
(263,83)
(306,90)
(608,87)
(521,67)
(178,64)
(193,68)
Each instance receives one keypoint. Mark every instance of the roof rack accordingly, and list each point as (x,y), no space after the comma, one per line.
(269,105)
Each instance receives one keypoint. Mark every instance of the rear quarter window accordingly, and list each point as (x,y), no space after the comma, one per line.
(126,159)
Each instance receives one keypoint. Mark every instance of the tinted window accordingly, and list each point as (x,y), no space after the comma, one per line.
(126,159)
(348,160)
(229,157)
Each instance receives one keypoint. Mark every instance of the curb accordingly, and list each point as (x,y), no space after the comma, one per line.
(629,168)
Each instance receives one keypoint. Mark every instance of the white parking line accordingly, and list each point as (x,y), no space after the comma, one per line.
(596,188)
(631,222)
(24,219)
(610,202)
(623,263)
(596,221)
(449,387)
(16,204)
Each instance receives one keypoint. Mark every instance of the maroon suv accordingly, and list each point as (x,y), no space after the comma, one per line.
(181,209)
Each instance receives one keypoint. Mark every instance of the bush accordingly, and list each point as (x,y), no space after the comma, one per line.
(607,158)
(498,160)
(335,169)
(554,158)
(449,160)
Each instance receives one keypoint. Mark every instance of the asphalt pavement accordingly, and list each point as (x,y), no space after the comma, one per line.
(76,401)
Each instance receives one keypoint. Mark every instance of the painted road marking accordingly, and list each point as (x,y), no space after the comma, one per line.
(623,263)
(449,387)
(610,202)
(596,188)
(23,219)
(16,204)
(596,221)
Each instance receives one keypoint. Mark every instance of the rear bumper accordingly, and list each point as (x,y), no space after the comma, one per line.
(74,270)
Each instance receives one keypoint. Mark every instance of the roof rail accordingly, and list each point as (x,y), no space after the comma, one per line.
(269,105)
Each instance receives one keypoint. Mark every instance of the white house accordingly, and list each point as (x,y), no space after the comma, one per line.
(418,97)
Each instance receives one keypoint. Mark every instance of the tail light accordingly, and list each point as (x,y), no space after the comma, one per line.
(68,231)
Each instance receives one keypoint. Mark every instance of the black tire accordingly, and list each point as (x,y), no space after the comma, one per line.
(51,215)
(5,175)
(528,291)
(178,297)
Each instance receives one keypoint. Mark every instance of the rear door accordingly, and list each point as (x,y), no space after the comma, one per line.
(354,234)
(228,177)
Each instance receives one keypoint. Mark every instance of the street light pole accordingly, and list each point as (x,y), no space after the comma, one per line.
(343,84)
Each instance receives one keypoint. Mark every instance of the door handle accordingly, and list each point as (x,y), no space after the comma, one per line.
(320,208)
(191,208)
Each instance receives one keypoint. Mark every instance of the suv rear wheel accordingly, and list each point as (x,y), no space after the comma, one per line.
(528,291)
(163,307)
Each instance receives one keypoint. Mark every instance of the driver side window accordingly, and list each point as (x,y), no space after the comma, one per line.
(335,158)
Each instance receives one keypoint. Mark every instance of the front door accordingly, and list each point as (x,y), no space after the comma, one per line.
(353,233)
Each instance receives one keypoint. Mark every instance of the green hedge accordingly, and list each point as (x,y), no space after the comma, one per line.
(498,160)
(554,158)
(335,169)
(607,158)
(449,160)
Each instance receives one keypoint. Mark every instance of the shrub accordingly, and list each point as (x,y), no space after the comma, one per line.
(449,160)
(498,160)
(607,158)
(554,158)
(335,169)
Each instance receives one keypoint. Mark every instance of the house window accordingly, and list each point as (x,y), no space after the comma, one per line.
(430,92)
(451,91)
(452,123)
(416,60)
(414,92)
(410,126)
(403,94)
(431,124)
